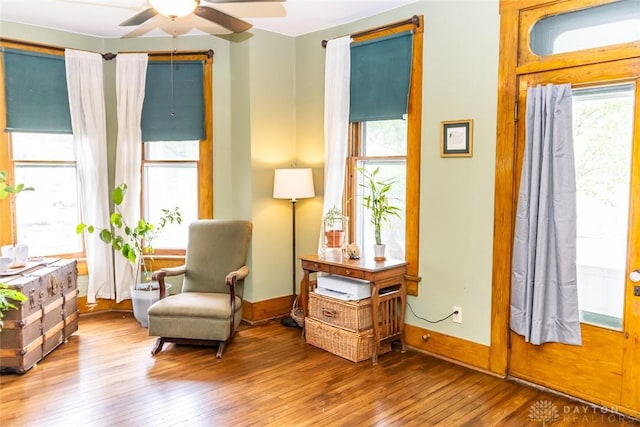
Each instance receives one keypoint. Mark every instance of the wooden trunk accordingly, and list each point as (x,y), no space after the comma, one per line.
(45,320)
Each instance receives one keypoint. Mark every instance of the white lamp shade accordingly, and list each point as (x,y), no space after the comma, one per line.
(293,184)
(174,8)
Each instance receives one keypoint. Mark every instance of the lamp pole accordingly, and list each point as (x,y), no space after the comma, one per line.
(293,246)
(293,184)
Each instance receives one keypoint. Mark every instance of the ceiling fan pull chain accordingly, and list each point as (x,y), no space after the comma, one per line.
(173,49)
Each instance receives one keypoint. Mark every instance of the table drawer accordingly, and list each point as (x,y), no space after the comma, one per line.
(346,272)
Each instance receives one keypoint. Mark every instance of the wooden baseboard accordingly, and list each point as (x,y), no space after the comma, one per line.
(268,309)
(251,311)
(456,350)
(103,305)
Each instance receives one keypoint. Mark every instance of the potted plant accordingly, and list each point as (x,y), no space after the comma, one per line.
(335,226)
(379,204)
(19,253)
(8,298)
(132,242)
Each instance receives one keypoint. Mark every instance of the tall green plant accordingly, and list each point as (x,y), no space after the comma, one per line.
(12,191)
(131,241)
(8,297)
(377,200)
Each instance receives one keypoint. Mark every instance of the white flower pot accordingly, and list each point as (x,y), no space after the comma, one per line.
(5,262)
(18,253)
(142,299)
(378,252)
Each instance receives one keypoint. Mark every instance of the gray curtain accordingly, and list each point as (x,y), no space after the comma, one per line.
(544,294)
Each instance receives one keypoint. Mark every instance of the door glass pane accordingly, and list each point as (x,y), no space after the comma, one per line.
(604,25)
(603,124)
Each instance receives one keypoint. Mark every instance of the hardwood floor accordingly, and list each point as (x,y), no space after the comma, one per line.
(105,376)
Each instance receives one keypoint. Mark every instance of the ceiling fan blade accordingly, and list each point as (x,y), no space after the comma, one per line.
(139,18)
(227,21)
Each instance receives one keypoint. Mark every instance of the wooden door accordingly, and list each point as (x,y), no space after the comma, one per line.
(606,368)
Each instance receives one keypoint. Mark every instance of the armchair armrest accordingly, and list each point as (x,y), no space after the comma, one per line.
(239,274)
(159,276)
(231,280)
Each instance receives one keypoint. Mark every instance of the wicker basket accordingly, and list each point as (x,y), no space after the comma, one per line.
(297,313)
(350,345)
(354,316)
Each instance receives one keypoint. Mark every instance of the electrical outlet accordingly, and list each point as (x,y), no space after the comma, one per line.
(457,317)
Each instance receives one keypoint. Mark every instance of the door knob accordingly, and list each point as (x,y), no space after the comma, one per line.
(634,276)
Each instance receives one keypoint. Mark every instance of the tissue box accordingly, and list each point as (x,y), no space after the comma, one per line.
(344,288)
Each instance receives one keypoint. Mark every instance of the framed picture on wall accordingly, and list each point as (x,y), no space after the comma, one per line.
(456,138)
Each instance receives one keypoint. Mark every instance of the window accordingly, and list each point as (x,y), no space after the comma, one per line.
(170,179)
(175,173)
(391,144)
(47,217)
(38,153)
(177,148)
(383,146)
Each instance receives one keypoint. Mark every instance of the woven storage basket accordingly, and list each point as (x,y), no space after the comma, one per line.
(350,345)
(351,315)
(297,313)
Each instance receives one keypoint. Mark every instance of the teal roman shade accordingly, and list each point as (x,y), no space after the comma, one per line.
(380,78)
(173,108)
(35,87)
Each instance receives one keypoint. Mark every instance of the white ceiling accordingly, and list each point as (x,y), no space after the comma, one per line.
(101,17)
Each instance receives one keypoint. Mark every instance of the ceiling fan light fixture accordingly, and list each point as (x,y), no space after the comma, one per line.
(174,8)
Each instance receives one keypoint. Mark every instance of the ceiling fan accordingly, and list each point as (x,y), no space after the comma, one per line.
(175,9)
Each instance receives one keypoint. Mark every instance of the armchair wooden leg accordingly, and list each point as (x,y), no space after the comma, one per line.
(220,350)
(158,346)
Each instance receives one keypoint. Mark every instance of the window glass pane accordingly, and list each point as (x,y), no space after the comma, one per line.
(393,233)
(168,185)
(172,150)
(598,26)
(603,126)
(38,146)
(385,138)
(47,217)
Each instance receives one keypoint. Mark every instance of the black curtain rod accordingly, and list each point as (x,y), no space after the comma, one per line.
(106,56)
(415,20)
(109,56)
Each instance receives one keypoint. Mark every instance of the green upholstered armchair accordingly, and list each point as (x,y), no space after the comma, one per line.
(209,308)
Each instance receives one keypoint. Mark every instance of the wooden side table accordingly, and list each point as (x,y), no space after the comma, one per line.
(388,292)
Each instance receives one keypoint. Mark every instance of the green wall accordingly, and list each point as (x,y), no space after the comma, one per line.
(268,113)
(456,201)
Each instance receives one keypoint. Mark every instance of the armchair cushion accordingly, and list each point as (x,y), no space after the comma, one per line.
(194,315)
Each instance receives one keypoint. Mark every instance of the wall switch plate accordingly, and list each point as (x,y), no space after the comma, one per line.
(457,318)
(636,291)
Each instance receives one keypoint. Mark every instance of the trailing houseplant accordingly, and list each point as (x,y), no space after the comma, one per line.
(8,299)
(132,241)
(18,252)
(335,226)
(378,202)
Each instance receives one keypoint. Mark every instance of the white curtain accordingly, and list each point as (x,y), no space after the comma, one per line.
(131,74)
(544,294)
(336,121)
(88,121)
